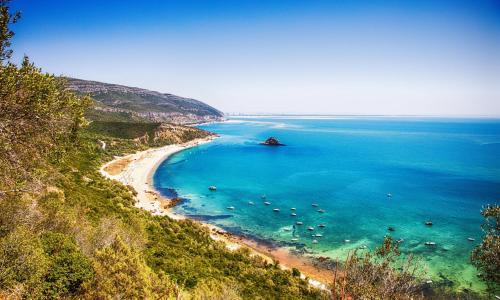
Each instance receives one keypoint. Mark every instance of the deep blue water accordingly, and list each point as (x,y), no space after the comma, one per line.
(442,170)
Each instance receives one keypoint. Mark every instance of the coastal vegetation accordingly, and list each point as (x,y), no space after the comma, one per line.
(67,232)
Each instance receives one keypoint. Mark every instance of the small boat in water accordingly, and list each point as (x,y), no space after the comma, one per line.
(294,239)
(251,203)
(389,195)
(430,243)
(362,247)
(299,223)
(347,241)
(471,239)
(321,225)
(428,223)
(230,207)
(212,188)
(317,235)
(293,214)
(310,228)
(267,203)
(293,208)
(390,228)
(314,205)
(399,241)
(315,241)
(276,209)
(321,210)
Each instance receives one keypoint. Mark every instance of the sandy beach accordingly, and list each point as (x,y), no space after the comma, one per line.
(137,170)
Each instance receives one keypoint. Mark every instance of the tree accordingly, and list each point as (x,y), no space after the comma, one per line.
(121,273)
(486,256)
(379,275)
(6,18)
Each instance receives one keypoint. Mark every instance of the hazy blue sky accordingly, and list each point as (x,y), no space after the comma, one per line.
(335,57)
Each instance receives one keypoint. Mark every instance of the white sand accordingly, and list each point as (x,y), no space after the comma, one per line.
(139,172)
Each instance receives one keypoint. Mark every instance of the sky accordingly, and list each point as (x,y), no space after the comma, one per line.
(425,57)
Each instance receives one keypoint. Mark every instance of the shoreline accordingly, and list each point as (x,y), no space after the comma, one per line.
(137,170)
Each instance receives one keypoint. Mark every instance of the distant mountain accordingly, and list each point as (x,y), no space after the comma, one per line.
(117,102)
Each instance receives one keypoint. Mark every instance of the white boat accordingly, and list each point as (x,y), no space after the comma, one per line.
(251,203)
(321,210)
(321,225)
(310,228)
(230,207)
(212,188)
(314,205)
(315,241)
(267,203)
(276,209)
(389,195)
(428,223)
(430,243)
(299,223)
(362,247)
(287,229)
(471,239)
(295,239)
(318,235)
(347,241)
(293,208)
(293,214)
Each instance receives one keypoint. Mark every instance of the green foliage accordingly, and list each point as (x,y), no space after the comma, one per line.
(39,119)
(378,275)
(23,263)
(68,267)
(486,256)
(6,18)
(120,272)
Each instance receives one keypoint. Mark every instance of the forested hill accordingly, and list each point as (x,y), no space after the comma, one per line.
(117,102)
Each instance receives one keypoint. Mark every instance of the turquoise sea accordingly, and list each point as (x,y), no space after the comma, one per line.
(436,169)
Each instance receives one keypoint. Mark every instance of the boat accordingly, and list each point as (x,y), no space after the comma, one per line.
(310,228)
(321,225)
(430,243)
(293,214)
(294,239)
(267,203)
(389,195)
(390,228)
(299,223)
(276,209)
(230,207)
(399,241)
(347,241)
(212,188)
(362,247)
(428,223)
(251,203)
(314,205)
(315,241)
(318,235)
(287,229)
(321,210)
(293,208)
(471,239)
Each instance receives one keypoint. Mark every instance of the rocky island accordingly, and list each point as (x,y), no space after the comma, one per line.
(272,141)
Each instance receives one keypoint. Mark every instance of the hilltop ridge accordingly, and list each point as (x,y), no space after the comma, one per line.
(116,102)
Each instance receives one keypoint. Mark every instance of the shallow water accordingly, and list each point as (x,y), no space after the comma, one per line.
(442,170)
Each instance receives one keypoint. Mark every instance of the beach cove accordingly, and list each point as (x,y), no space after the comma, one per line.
(137,170)
(442,170)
